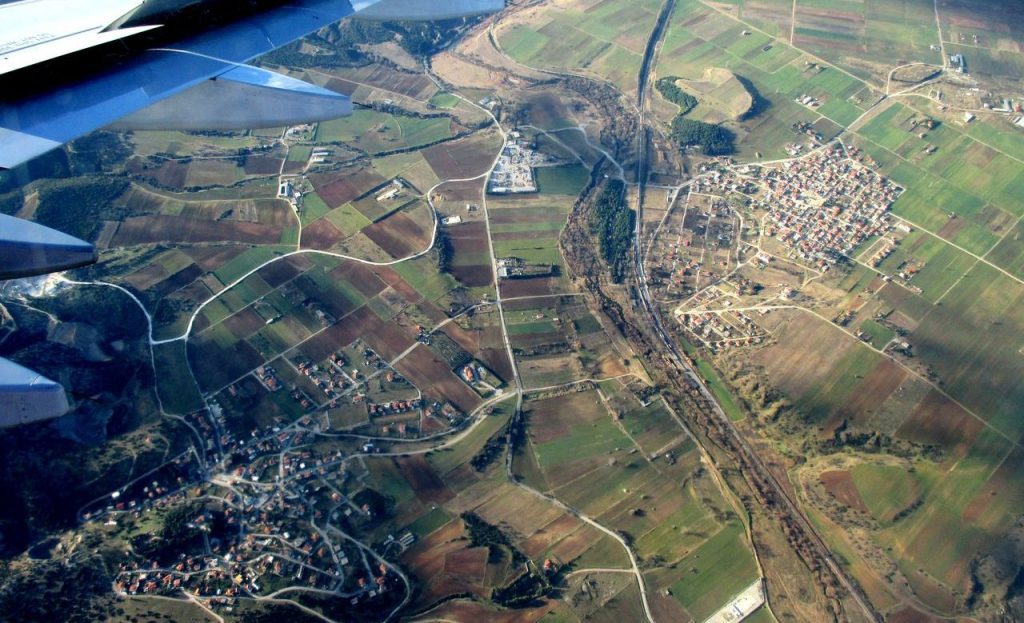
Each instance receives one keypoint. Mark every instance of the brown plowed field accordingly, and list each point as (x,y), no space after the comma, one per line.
(840,484)
(344,87)
(462,191)
(471,611)
(282,271)
(340,334)
(460,159)
(473,275)
(424,481)
(244,323)
(262,165)
(361,277)
(542,539)
(389,339)
(432,376)
(175,282)
(511,288)
(321,235)
(395,280)
(212,258)
(414,85)
(159,228)
(337,189)
(938,420)
(467,565)
(871,392)
(398,235)
(170,173)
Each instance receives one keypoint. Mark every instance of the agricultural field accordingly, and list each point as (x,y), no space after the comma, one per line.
(604,452)
(775,74)
(557,340)
(602,38)
(375,132)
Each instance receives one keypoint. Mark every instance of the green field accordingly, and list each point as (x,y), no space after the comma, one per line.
(585,440)
(605,38)
(718,570)
(885,489)
(376,132)
(564,180)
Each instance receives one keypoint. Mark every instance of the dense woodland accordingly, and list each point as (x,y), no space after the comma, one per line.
(713,139)
(670,90)
(612,222)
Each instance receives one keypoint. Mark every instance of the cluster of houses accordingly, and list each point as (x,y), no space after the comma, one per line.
(330,378)
(257,531)
(823,206)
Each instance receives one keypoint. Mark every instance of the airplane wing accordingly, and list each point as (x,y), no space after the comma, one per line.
(233,95)
(53,91)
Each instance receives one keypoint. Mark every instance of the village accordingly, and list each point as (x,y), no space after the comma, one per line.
(819,211)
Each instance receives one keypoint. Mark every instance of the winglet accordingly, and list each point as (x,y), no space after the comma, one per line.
(28,396)
(28,249)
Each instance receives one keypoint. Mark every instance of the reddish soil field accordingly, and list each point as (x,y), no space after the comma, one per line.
(321,235)
(145,278)
(215,367)
(496,359)
(432,376)
(459,159)
(543,538)
(170,173)
(467,565)
(361,277)
(395,280)
(576,543)
(262,165)
(873,390)
(666,608)
(389,339)
(212,258)
(340,334)
(339,188)
(398,235)
(342,86)
(511,288)
(244,323)
(160,228)
(282,271)
(383,77)
(468,340)
(473,275)
(469,237)
(424,481)
(840,484)
(938,420)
